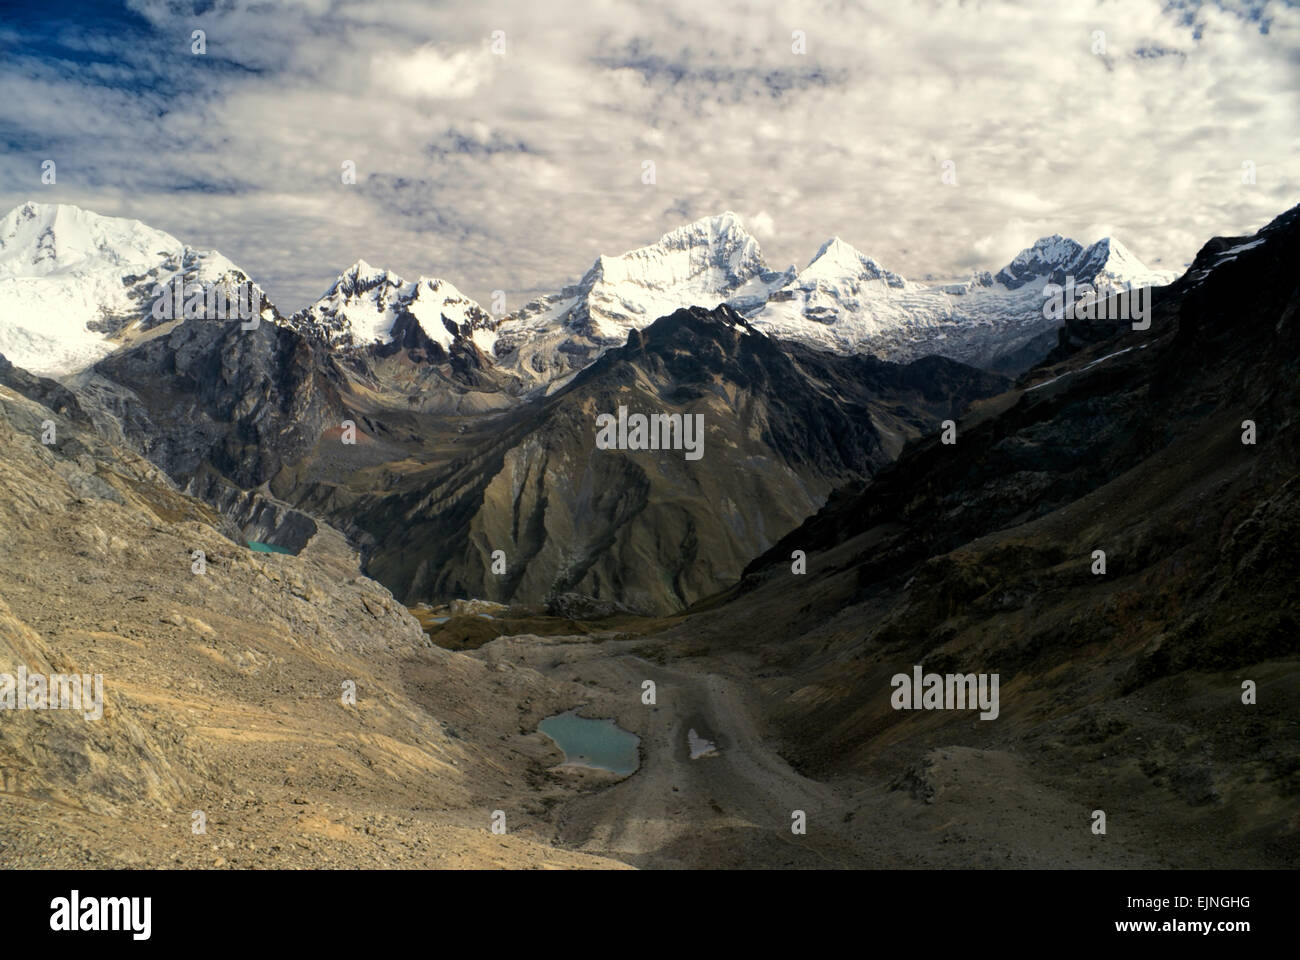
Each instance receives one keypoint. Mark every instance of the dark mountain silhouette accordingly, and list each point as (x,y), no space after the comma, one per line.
(980,557)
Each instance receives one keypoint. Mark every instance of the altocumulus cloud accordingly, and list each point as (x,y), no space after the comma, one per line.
(514,171)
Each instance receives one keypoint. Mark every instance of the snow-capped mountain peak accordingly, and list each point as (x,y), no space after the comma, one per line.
(1046,256)
(837,260)
(847,302)
(1052,259)
(704,263)
(40,239)
(1108,262)
(367,305)
(844,300)
(724,237)
(362,276)
(706,260)
(75,285)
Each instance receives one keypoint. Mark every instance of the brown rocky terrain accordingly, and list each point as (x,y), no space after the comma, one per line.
(222,691)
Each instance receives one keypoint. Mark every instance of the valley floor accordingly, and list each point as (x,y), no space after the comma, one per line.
(952,806)
(289,784)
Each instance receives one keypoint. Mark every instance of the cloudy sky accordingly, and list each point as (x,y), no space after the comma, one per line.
(512,163)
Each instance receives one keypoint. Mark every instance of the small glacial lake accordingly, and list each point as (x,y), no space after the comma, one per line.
(593,743)
(257,546)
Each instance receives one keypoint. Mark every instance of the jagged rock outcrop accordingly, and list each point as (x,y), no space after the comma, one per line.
(245,402)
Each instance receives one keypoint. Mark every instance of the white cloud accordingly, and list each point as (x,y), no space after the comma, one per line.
(513,172)
(430,73)
(761,225)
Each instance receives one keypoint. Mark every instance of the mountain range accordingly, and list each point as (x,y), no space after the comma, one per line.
(474,431)
(473,471)
(74,286)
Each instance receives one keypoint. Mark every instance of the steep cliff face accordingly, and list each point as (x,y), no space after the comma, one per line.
(256,514)
(207,392)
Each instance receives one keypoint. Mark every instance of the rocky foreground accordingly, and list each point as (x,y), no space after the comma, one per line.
(224,691)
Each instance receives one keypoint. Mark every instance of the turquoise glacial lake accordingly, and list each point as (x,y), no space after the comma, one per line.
(257,546)
(602,744)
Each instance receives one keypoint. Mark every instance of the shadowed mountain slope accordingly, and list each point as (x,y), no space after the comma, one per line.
(1123,688)
(783,425)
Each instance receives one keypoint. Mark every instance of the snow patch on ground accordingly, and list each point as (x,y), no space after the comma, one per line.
(699,746)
